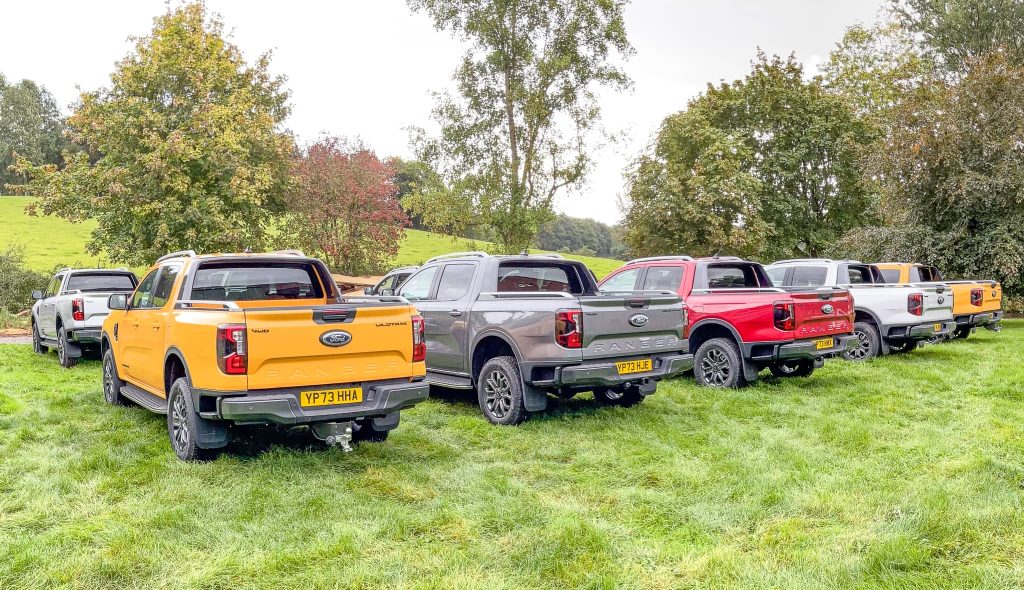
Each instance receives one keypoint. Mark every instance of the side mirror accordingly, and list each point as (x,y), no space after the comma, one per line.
(117,301)
(387,292)
(37,295)
(367,290)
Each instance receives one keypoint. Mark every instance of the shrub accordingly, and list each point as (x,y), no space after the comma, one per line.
(17,281)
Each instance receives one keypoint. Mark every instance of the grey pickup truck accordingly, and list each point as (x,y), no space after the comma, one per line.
(516,328)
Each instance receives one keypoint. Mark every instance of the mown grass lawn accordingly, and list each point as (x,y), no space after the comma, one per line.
(52,241)
(906,472)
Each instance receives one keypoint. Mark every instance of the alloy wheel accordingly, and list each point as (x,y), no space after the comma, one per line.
(61,349)
(498,390)
(108,382)
(860,352)
(179,424)
(714,367)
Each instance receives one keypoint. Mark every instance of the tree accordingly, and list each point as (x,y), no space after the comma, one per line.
(957,32)
(765,167)
(30,126)
(344,208)
(516,134)
(190,152)
(579,236)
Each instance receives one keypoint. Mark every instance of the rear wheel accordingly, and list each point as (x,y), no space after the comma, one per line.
(366,433)
(905,346)
(799,368)
(112,384)
(183,424)
(37,341)
(625,397)
(868,343)
(65,359)
(500,392)
(718,364)
(960,333)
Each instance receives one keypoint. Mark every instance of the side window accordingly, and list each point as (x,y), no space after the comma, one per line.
(142,296)
(401,278)
(54,286)
(455,280)
(891,275)
(860,274)
(808,276)
(663,278)
(162,291)
(418,285)
(386,283)
(624,281)
(915,275)
(777,276)
(733,276)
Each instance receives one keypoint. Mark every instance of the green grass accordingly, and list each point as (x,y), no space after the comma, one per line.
(905,472)
(50,241)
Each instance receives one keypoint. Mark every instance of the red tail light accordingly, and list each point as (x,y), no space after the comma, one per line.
(686,323)
(784,313)
(569,328)
(419,341)
(977,295)
(231,350)
(78,309)
(915,303)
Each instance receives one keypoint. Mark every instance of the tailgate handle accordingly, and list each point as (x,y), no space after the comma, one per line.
(334,317)
(455,313)
(637,303)
(824,294)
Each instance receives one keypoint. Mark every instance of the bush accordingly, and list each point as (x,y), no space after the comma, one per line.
(17,281)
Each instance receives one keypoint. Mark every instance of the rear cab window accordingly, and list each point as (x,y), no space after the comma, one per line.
(859,274)
(257,281)
(924,274)
(622,281)
(538,277)
(663,278)
(736,275)
(86,282)
(891,275)
(808,276)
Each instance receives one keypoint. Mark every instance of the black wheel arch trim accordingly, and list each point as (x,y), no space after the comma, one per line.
(750,369)
(535,399)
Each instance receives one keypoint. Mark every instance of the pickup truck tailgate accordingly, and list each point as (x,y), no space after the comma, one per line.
(993,297)
(96,309)
(629,325)
(938,302)
(822,312)
(287,348)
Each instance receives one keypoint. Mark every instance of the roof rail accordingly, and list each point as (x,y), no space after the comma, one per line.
(178,254)
(803,260)
(65,269)
(474,254)
(545,255)
(291,252)
(657,258)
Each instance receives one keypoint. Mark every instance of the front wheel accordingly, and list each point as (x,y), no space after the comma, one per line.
(183,424)
(868,343)
(37,341)
(718,364)
(500,392)
(800,368)
(67,361)
(625,397)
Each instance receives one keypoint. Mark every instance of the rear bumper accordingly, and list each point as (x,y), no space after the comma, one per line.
(980,319)
(798,349)
(605,373)
(921,331)
(281,406)
(85,335)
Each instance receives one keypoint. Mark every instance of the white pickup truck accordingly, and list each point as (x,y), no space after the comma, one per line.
(69,315)
(888,318)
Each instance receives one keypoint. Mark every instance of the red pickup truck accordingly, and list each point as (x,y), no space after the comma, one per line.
(739,323)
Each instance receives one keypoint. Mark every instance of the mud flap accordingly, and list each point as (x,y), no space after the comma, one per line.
(211,434)
(73,349)
(535,399)
(883,347)
(386,422)
(749,370)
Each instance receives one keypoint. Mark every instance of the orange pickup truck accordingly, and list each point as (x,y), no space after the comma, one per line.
(975,303)
(220,340)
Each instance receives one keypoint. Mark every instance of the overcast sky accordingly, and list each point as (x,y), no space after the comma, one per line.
(365,68)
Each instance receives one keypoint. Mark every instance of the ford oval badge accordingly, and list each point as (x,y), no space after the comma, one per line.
(335,338)
(639,320)
(941,300)
(827,309)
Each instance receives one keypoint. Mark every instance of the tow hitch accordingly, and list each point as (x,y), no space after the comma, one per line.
(994,327)
(335,434)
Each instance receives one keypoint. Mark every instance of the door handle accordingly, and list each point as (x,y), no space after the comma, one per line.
(156,326)
(135,323)
(455,313)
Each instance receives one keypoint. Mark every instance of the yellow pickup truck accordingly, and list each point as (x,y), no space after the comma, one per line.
(219,340)
(975,303)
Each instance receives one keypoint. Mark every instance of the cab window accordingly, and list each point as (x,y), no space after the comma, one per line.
(808,276)
(777,276)
(143,295)
(890,275)
(54,286)
(624,281)
(663,278)
(536,277)
(924,274)
(256,281)
(162,291)
(418,286)
(455,280)
(386,283)
(858,274)
(734,276)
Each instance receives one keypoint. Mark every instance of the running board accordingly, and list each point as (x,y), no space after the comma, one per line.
(145,399)
(450,381)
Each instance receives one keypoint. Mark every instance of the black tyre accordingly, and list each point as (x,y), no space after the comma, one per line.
(868,342)
(366,433)
(500,392)
(183,424)
(905,346)
(65,360)
(37,341)
(799,368)
(112,384)
(625,397)
(718,364)
(960,333)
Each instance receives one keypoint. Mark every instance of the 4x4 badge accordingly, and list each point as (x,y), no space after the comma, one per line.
(335,338)
(639,320)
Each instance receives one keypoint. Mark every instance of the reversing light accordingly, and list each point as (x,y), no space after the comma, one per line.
(231,350)
(569,328)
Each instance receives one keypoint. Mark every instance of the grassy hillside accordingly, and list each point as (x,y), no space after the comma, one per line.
(50,241)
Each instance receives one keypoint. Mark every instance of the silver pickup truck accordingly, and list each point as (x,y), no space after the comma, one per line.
(889,318)
(69,314)
(516,328)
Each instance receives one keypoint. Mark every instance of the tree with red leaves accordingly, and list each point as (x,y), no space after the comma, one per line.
(344,208)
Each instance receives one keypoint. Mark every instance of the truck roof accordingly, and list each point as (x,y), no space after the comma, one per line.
(484,255)
(192,254)
(68,269)
(816,261)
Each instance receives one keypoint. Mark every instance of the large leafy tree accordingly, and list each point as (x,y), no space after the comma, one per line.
(515,134)
(766,166)
(31,127)
(958,32)
(344,208)
(188,145)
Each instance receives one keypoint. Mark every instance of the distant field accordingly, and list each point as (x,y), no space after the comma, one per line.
(51,241)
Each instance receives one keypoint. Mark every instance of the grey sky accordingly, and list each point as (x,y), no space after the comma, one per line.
(365,69)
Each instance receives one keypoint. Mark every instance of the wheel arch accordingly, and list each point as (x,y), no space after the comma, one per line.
(705,330)
(175,367)
(487,345)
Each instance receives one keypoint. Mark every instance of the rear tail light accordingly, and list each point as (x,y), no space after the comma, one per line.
(686,323)
(231,350)
(78,309)
(569,328)
(419,341)
(784,314)
(915,303)
(977,295)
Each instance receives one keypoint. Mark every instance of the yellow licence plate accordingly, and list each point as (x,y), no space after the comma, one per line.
(627,367)
(824,343)
(938,327)
(331,397)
